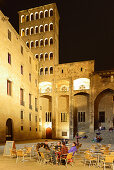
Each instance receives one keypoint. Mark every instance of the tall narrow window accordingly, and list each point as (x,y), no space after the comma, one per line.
(46,70)
(41,28)
(9,84)
(30,106)
(36,29)
(51,70)
(9,35)
(51,27)
(46,13)
(36,108)
(30,77)
(41,71)
(32,44)
(21,115)
(29,116)
(22,18)
(22,32)
(27,31)
(41,42)
(21,50)
(36,43)
(32,30)
(21,69)
(46,117)
(51,12)
(27,18)
(41,14)
(9,58)
(63,117)
(51,56)
(46,41)
(41,57)
(27,43)
(46,27)
(51,41)
(21,96)
(50,117)
(31,16)
(36,15)
(81,116)
(46,56)
(35,119)
(36,55)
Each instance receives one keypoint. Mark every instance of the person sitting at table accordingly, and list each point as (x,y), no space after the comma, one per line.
(58,146)
(73,148)
(63,152)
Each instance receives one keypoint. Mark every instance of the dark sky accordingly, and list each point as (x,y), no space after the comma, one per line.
(86,28)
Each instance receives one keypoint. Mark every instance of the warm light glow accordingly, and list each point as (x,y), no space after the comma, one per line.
(48,125)
(81,83)
(45,87)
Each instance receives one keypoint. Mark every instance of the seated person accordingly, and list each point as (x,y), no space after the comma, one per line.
(64,149)
(73,148)
(46,146)
(58,146)
(98,138)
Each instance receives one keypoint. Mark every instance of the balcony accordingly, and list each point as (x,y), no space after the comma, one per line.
(30,106)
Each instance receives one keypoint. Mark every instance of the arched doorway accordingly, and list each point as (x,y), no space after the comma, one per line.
(9,129)
(48,133)
(103,105)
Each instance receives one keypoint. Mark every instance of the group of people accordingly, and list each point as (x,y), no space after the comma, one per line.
(55,153)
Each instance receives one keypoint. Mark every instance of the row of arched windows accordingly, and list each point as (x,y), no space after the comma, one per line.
(46,70)
(44,57)
(37,15)
(40,43)
(36,29)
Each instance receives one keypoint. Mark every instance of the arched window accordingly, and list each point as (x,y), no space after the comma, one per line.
(46,13)
(36,55)
(51,12)
(22,18)
(51,41)
(36,15)
(31,17)
(46,70)
(46,41)
(27,18)
(22,32)
(27,31)
(51,70)
(41,42)
(31,30)
(41,57)
(51,27)
(46,56)
(41,14)
(36,43)
(36,29)
(27,43)
(41,28)
(46,27)
(51,56)
(31,44)
(41,71)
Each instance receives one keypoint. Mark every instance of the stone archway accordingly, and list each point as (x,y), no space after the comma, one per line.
(9,129)
(105,93)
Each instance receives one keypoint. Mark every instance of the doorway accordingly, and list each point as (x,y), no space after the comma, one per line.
(48,133)
(9,129)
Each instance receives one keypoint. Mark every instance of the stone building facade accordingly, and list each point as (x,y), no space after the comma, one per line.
(49,100)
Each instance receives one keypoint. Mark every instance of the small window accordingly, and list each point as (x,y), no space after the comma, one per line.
(9,86)
(36,129)
(63,117)
(36,43)
(27,18)
(46,13)
(36,56)
(64,133)
(36,109)
(29,116)
(51,70)
(101,116)
(21,69)
(32,44)
(9,35)
(36,29)
(62,70)
(51,41)
(21,50)
(27,31)
(41,71)
(41,28)
(46,27)
(22,18)
(30,60)
(30,96)
(35,119)
(27,43)
(51,27)
(51,56)
(40,128)
(9,58)
(30,77)
(46,56)
(81,69)
(31,17)
(32,30)
(41,14)
(46,70)
(21,114)
(36,15)
(21,128)
(46,41)
(41,57)
(51,12)
(41,42)
(22,32)
(21,97)
(30,128)
(81,116)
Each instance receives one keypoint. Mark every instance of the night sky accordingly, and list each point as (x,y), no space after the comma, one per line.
(86,28)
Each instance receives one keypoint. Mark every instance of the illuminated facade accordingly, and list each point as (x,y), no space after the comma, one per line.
(41,98)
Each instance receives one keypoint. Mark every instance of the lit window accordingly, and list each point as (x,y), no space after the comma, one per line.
(9,58)
(22,32)
(22,18)
(31,44)
(9,35)
(9,84)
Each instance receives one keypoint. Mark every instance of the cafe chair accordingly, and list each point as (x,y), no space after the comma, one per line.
(45,158)
(13,153)
(108,161)
(20,154)
(89,159)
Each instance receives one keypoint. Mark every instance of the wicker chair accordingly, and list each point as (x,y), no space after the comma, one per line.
(108,161)
(20,154)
